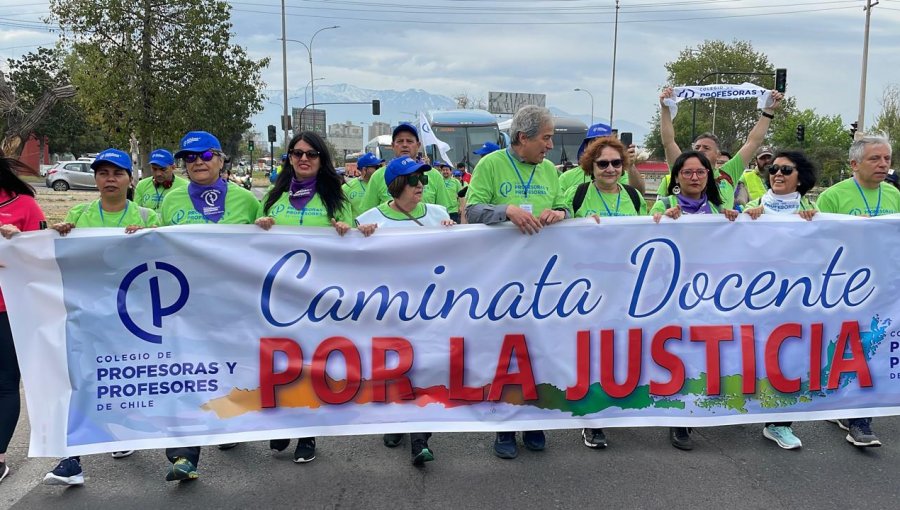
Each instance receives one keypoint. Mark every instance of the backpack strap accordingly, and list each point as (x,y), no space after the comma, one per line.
(580,193)
(634,196)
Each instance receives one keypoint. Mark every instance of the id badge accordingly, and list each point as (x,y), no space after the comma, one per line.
(527,208)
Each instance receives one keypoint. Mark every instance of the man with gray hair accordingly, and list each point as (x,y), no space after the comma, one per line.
(520,186)
(863,194)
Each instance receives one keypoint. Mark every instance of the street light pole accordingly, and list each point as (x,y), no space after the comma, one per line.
(612,95)
(306,89)
(865,61)
(592,102)
(309,53)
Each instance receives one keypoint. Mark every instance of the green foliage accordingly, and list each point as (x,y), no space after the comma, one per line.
(826,143)
(149,70)
(888,121)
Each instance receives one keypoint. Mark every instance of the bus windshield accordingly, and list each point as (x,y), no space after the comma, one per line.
(465,139)
(565,146)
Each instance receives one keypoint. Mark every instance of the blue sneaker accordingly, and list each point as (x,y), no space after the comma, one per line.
(534,440)
(860,433)
(505,445)
(67,472)
(783,436)
(182,469)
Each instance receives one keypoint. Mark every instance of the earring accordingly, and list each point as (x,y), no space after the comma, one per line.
(676,190)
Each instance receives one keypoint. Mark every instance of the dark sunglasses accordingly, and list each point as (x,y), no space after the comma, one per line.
(785,169)
(414,179)
(603,164)
(205,156)
(310,154)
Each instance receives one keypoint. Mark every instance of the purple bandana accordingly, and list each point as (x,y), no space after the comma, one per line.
(691,206)
(209,200)
(301,192)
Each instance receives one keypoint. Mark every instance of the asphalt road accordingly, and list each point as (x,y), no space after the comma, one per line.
(731,467)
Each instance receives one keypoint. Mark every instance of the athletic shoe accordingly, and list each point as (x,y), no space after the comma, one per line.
(505,445)
(681,438)
(306,450)
(4,470)
(534,440)
(594,438)
(844,424)
(227,446)
(392,440)
(860,433)
(122,454)
(182,469)
(782,435)
(421,453)
(67,472)
(279,445)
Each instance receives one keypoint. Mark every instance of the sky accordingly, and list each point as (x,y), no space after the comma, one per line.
(474,46)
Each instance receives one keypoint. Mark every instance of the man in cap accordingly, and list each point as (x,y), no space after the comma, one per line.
(755,181)
(453,186)
(355,188)
(575,176)
(151,190)
(405,142)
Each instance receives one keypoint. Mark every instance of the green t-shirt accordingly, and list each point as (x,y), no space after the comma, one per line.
(605,204)
(664,203)
(315,214)
(241,208)
(452,185)
(572,177)
(354,190)
(90,214)
(663,189)
(377,192)
(146,194)
(734,168)
(846,197)
(500,179)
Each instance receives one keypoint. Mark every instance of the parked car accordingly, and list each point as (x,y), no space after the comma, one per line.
(67,175)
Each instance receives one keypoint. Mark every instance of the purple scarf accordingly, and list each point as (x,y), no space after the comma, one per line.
(209,200)
(301,192)
(691,206)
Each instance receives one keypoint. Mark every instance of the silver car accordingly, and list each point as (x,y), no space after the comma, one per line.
(67,175)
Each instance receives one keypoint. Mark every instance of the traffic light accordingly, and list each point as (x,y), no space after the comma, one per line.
(271,133)
(781,80)
(853,126)
(801,132)
(250,145)
(376,107)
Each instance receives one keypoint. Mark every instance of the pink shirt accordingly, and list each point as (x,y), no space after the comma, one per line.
(21,211)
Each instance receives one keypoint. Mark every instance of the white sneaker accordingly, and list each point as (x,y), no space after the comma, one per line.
(782,435)
(122,454)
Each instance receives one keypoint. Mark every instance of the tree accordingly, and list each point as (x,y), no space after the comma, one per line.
(151,70)
(730,120)
(826,141)
(888,121)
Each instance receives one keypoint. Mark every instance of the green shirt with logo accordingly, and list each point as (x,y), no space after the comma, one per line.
(846,197)
(91,215)
(377,191)
(603,204)
(355,191)
(501,179)
(241,208)
(315,214)
(452,185)
(147,194)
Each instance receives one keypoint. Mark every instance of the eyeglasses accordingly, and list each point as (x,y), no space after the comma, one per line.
(784,169)
(690,173)
(205,156)
(298,154)
(604,164)
(414,180)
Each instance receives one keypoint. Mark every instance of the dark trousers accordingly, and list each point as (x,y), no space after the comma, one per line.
(191,453)
(9,384)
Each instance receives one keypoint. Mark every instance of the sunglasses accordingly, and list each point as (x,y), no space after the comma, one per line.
(310,154)
(604,164)
(690,173)
(785,169)
(205,156)
(414,179)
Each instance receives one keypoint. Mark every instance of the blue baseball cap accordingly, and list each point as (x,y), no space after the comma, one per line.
(162,157)
(486,149)
(115,157)
(457,173)
(284,157)
(439,164)
(198,141)
(405,126)
(404,165)
(595,131)
(368,159)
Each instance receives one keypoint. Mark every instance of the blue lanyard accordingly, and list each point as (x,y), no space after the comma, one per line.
(158,197)
(618,201)
(302,214)
(124,213)
(516,168)
(863,195)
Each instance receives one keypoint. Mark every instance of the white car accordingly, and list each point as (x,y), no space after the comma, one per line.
(66,175)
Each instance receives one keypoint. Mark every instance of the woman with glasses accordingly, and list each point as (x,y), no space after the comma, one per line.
(791,176)
(691,190)
(604,160)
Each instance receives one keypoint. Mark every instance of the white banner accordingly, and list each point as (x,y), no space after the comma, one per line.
(213,334)
(745,90)
(429,138)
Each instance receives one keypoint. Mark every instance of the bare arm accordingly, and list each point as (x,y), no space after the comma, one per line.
(758,133)
(635,179)
(667,129)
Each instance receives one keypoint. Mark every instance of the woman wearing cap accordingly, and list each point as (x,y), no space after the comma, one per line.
(151,191)
(355,189)
(112,173)
(406,179)
(691,190)
(605,160)
(20,213)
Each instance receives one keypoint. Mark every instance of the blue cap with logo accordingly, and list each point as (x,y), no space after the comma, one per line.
(162,157)
(405,126)
(198,141)
(486,149)
(595,131)
(404,165)
(442,164)
(368,159)
(115,157)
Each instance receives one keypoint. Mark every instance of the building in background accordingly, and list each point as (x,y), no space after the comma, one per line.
(378,129)
(346,138)
(313,119)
